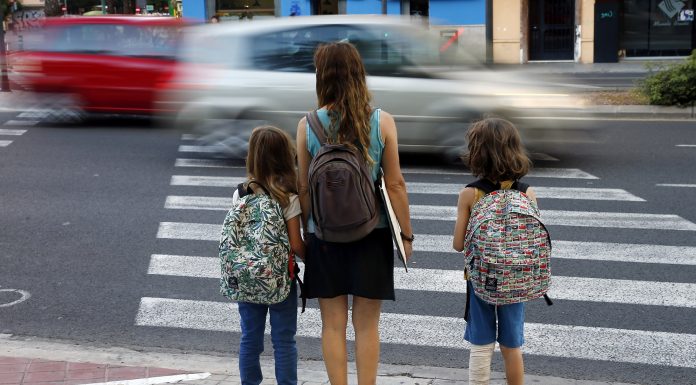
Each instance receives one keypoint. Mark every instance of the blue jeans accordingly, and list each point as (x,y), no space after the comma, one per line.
(283,330)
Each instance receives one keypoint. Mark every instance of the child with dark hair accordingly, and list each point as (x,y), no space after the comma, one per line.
(496,155)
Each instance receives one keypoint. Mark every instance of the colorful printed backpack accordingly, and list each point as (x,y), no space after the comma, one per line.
(255,250)
(507,247)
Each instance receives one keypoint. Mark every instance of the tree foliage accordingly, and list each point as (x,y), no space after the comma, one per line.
(7,7)
(674,85)
(52,8)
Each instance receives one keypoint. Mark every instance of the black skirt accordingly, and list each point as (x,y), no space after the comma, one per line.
(364,268)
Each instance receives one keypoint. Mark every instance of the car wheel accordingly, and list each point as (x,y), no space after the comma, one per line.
(220,136)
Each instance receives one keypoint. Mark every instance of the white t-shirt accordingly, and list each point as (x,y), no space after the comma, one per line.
(292,210)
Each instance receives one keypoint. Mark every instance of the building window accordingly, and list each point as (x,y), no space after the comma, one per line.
(236,10)
(658,27)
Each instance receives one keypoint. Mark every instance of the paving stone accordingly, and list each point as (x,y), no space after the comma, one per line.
(44,376)
(448,382)
(46,366)
(454,374)
(313,375)
(11,378)
(13,368)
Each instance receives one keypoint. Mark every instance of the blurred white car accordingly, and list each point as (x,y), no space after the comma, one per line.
(235,76)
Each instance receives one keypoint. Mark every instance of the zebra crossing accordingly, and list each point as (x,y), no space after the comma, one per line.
(8,135)
(622,344)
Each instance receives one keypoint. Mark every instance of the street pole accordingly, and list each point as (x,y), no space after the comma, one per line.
(103,3)
(384,7)
(4,78)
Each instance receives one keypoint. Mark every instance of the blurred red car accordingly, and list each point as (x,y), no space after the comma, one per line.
(107,64)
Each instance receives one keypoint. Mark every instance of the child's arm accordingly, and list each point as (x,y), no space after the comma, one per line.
(466,197)
(296,243)
(530,193)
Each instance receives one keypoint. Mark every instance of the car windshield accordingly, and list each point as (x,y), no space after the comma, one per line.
(387,49)
(109,39)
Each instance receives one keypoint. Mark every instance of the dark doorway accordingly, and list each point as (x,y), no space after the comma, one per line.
(419,8)
(551,29)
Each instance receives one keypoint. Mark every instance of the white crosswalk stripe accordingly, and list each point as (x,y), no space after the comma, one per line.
(452,281)
(616,345)
(12,132)
(21,122)
(592,343)
(5,143)
(575,218)
(561,173)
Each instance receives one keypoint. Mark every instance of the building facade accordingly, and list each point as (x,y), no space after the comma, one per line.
(509,31)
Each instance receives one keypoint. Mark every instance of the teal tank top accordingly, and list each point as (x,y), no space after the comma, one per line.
(376,149)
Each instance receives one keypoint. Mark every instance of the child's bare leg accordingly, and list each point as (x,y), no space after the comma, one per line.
(480,364)
(514,365)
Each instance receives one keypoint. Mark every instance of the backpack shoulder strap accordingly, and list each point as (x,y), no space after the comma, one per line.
(316,126)
(241,191)
(520,186)
(484,185)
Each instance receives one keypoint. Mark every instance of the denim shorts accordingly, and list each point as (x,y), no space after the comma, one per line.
(481,327)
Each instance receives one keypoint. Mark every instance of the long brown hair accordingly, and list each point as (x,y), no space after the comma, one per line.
(495,151)
(271,162)
(341,85)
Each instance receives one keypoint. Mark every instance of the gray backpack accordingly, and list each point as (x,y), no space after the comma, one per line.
(344,202)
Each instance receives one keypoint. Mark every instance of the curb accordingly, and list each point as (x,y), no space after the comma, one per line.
(224,370)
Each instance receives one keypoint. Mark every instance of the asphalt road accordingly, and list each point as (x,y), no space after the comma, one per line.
(81,208)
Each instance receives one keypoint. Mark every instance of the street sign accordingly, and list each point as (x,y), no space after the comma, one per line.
(150,7)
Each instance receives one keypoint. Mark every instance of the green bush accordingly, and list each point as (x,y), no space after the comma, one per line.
(674,85)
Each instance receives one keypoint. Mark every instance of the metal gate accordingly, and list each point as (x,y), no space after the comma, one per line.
(551,29)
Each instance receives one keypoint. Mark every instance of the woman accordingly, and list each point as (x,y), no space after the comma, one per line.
(363,269)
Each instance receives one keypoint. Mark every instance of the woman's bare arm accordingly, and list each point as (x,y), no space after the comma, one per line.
(394,180)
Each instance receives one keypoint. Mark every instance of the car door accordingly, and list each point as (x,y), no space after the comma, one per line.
(416,98)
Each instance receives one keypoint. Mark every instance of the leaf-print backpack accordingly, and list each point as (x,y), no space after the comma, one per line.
(255,250)
(507,247)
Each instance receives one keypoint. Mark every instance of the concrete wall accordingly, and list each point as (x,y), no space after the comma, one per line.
(196,10)
(507,37)
(587,32)
(462,12)
(371,7)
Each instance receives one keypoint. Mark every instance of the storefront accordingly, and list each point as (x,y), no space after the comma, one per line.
(658,28)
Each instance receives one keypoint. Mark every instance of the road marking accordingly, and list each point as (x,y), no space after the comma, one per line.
(209,163)
(225,203)
(686,145)
(592,343)
(21,122)
(675,185)
(575,218)
(593,251)
(188,137)
(40,114)
(158,380)
(23,296)
(452,281)
(207,181)
(561,173)
(201,149)
(583,193)
(8,131)
(5,143)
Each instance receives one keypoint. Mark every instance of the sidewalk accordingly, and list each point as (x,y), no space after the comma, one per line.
(32,361)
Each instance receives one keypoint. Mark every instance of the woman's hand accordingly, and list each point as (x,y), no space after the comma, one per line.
(408,249)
